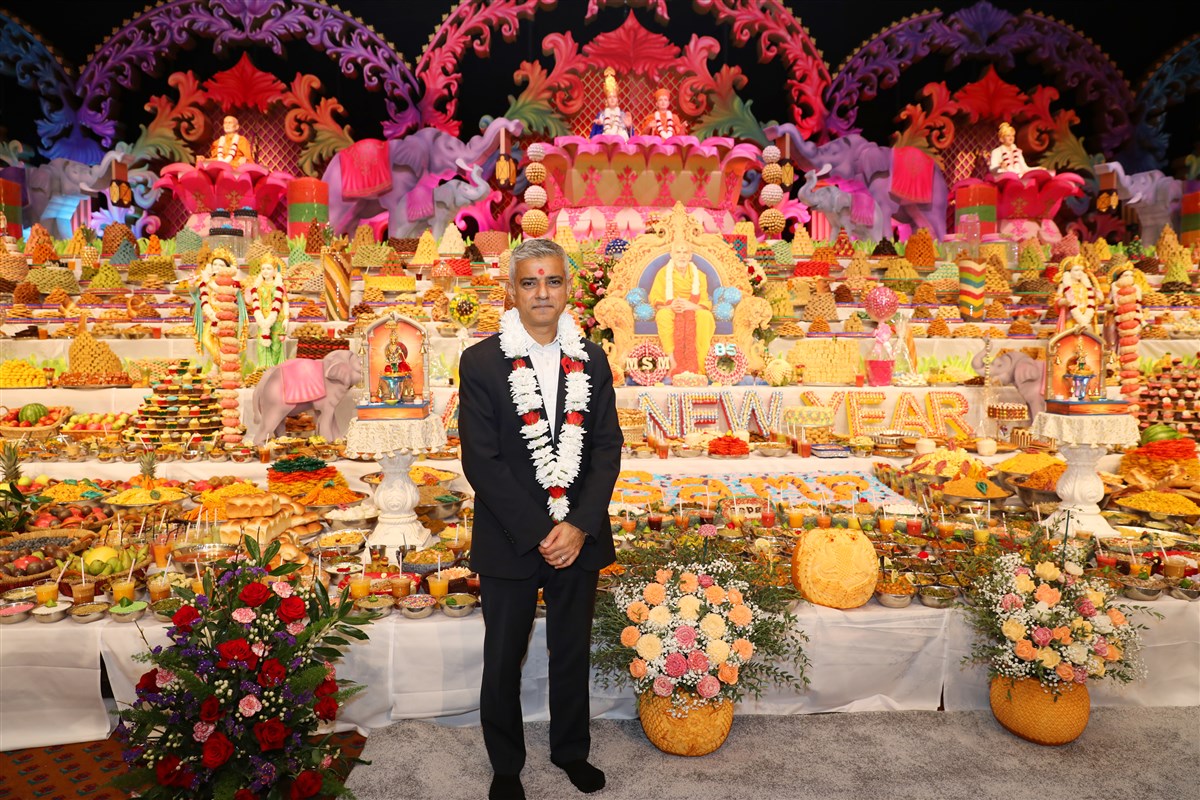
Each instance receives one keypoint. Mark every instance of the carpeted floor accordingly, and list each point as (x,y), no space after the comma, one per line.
(1124,753)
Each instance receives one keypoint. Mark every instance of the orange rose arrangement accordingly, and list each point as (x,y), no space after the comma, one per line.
(697,632)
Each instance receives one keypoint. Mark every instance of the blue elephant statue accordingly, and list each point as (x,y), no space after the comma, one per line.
(433,176)
(834,203)
(1153,196)
(902,184)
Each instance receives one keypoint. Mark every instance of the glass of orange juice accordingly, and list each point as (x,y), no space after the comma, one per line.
(198,585)
(162,550)
(47,591)
(122,588)
(439,587)
(360,586)
(83,592)
(887,525)
(159,587)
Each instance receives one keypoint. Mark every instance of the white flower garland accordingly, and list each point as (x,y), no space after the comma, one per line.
(555,472)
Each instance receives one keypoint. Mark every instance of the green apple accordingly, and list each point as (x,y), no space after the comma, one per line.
(24,481)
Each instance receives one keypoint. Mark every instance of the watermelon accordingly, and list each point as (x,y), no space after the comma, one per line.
(31,412)
(1155,433)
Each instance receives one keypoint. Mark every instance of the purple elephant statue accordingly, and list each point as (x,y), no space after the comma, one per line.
(434,176)
(1025,374)
(900,184)
(305,384)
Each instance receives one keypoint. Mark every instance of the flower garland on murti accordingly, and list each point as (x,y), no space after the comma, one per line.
(555,472)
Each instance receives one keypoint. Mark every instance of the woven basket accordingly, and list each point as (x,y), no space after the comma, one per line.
(38,433)
(82,539)
(698,732)
(1024,708)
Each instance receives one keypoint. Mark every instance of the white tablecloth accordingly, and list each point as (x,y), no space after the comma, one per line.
(1171,652)
(866,659)
(50,685)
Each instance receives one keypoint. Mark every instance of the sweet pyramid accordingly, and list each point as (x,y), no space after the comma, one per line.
(125,254)
(89,356)
(114,234)
(79,240)
(39,248)
(919,250)
(427,250)
(452,245)
(363,236)
(842,246)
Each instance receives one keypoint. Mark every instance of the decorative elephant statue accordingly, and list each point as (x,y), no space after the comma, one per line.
(453,196)
(915,193)
(1016,369)
(831,201)
(341,370)
(419,163)
(1153,196)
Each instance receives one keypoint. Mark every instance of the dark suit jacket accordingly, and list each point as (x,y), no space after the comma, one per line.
(511,517)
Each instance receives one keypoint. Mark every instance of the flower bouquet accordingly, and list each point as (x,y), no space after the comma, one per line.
(231,707)
(1045,632)
(693,637)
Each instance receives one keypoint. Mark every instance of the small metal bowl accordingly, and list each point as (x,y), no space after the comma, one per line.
(56,613)
(417,609)
(117,615)
(195,557)
(89,612)
(443,511)
(938,599)
(12,617)
(1189,595)
(457,605)
(1042,500)
(165,609)
(1144,595)
(376,609)
(894,600)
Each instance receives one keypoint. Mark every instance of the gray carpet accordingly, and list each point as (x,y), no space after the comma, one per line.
(1124,754)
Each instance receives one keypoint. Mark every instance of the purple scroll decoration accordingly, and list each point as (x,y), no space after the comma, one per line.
(145,42)
(1176,76)
(986,33)
(24,56)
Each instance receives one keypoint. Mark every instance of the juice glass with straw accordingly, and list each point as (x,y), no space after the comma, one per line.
(122,589)
(46,591)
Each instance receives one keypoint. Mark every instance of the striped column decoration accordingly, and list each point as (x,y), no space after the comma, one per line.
(972,276)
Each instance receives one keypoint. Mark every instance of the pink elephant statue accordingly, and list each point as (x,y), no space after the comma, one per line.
(305,384)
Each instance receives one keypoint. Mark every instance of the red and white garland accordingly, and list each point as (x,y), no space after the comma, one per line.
(555,471)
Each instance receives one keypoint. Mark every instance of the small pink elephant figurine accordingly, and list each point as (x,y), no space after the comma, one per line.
(1026,375)
(294,386)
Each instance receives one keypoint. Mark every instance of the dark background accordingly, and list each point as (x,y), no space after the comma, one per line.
(1135,35)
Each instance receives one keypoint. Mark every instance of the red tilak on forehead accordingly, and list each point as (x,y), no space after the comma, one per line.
(541,272)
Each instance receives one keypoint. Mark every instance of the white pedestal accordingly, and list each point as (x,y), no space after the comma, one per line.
(395,444)
(396,496)
(1081,491)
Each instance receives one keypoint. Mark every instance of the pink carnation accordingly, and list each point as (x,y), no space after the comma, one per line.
(1011,602)
(705,581)
(697,661)
(259,649)
(297,627)
(1080,675)
(282,588)
(707,530)
(1023,571)
(1086,608)
(249,706)
(202,730)
(244,615)
(708,686)
(1042,636)
(326,762)
(663,686)
(676,665)
(685,635)
(164,677)
(1100,646)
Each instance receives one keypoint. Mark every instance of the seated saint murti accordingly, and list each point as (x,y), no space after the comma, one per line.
(231,147)
(683,307)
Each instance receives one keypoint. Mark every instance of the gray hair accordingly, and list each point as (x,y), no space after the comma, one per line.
(537,248)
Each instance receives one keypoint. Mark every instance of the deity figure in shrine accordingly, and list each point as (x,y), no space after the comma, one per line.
(664,122)
(269,310)
(220,314)
(1007,157)
(231,147)
(1078,295)
(612,121)
(682,305)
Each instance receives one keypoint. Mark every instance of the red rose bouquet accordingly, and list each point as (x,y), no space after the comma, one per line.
(231,707)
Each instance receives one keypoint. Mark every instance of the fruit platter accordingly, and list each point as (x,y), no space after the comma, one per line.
(32,421)
(26,558)
(102,563)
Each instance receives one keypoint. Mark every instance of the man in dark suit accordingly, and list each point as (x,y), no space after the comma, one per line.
(541,447)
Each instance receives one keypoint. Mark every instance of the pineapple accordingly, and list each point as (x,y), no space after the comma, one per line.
(10,466)
(147,469)
(15,506)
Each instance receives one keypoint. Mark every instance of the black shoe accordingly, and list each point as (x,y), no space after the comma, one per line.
(586,778)
(506,787)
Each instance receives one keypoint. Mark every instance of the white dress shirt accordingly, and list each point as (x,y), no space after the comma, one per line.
(546,360)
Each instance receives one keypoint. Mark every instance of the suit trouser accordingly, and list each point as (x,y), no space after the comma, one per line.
(508,611)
